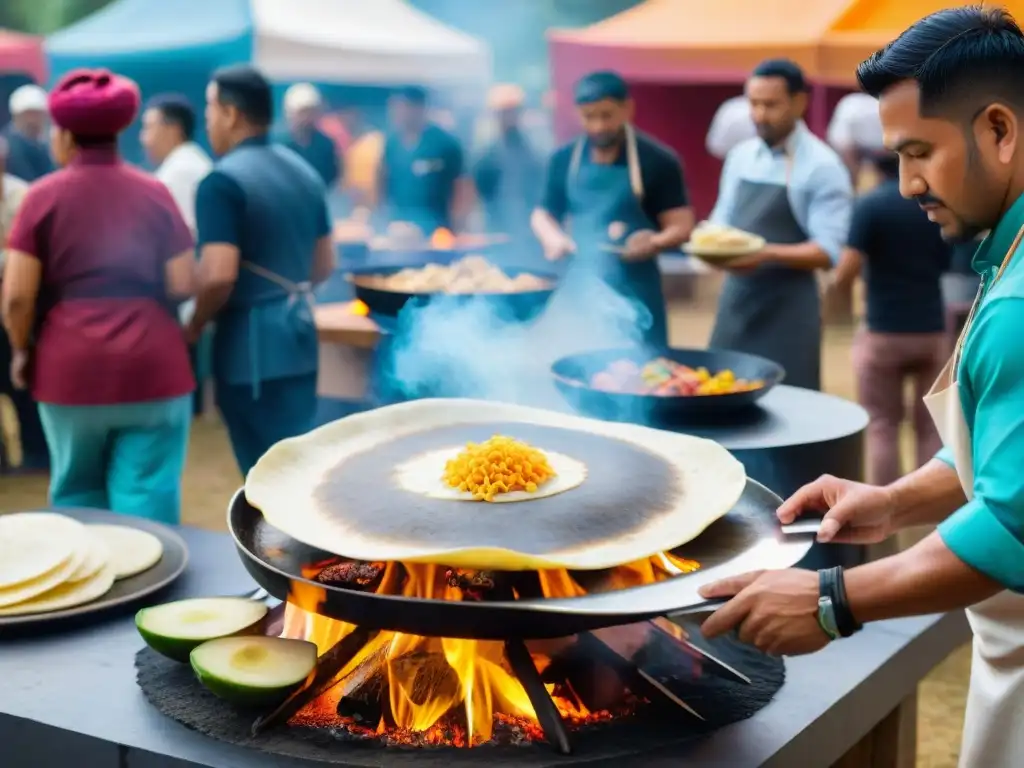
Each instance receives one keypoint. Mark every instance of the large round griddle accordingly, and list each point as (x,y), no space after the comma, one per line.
(625,489)
(748,538)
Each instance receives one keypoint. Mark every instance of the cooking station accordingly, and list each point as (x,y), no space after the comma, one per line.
(70,697)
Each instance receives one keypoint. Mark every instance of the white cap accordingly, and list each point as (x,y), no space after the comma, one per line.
(855,124)
(301,96)
(731,125)
(27,98)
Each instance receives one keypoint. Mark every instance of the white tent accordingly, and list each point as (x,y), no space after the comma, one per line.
(362,41)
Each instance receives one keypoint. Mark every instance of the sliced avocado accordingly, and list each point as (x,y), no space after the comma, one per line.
(253,671)
(174,629)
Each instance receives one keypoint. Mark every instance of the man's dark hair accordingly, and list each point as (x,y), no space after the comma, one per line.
(177,111)
(789,71)
(961,59)
(246,89)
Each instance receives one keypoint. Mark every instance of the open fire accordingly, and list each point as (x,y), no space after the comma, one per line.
(403,689)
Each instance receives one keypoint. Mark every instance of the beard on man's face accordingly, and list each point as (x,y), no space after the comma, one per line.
(607,139)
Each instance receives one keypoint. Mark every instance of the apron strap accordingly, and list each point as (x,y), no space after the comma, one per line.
(958,349)
(294,290)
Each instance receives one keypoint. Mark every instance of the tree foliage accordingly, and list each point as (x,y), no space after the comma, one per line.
(43,17)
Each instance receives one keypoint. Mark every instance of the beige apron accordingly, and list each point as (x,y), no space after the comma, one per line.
(994,721)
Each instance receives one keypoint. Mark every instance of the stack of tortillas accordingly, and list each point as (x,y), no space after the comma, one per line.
(51,562)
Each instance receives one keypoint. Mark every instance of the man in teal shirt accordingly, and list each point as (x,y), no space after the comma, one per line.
(951,92)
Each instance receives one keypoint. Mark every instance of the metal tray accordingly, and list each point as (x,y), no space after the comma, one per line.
(748,538)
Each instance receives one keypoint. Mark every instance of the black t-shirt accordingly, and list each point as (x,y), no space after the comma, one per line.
(660,170)
(904,258)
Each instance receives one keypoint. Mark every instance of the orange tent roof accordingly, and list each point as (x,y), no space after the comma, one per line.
(680,39)
(867,25)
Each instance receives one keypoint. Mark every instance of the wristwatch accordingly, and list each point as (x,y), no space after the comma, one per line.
(827,618)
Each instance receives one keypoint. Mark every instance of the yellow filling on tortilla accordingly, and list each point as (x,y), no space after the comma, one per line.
(495,466)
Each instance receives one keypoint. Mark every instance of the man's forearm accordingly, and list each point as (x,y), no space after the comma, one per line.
(927,496)
(210,300)
(18,319)
(544,226)
(808,255)
(927,578)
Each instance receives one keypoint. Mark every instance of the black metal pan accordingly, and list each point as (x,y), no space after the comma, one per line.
(573,374)
(748,538)
(516,307)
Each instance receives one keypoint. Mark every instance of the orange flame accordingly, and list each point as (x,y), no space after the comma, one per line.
(442,239)
(426,679)
(358,308)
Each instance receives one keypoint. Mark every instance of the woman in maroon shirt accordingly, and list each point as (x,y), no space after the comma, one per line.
(97,257)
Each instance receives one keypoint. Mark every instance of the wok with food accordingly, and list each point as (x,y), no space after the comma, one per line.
(666,386)
(662,377)
(385,290)
(709,240)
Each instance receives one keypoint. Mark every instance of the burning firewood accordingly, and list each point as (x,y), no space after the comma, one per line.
(474,585)
(352,575)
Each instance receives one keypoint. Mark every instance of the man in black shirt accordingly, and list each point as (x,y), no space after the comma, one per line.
(902,257)
(625,195)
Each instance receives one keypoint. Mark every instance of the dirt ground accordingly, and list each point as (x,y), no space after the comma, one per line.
(211,477)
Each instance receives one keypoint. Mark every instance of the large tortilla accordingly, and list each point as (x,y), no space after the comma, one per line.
(646,490)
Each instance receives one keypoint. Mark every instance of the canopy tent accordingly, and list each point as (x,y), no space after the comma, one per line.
(867,25)
(163,47)
(22,54)
(683,58)
(22,61)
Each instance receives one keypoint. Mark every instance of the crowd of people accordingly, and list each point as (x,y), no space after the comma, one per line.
(257,221)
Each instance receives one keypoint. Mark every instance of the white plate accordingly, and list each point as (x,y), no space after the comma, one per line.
(710,253)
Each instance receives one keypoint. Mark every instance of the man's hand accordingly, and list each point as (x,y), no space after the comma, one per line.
(776,611)
(742,265)
(19,369)
(558,247)
(641,246)
(856,513)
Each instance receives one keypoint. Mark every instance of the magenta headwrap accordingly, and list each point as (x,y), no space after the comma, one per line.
(94,103)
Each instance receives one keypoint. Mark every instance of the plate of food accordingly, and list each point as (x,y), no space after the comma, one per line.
(663,386)
(386,289)
(714,242)
(58,565)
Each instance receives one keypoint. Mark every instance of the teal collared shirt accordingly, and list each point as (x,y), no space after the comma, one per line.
(987,533)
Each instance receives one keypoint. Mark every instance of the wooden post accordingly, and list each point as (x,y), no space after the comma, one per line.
(891,744)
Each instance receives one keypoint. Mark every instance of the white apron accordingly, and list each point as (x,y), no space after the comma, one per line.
(994,721)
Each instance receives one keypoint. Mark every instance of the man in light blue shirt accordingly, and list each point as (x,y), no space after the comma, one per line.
(793,190)
(951,101)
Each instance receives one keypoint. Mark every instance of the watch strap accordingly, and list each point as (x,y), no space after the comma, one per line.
(833,586)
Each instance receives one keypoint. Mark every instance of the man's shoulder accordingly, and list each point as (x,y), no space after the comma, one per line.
(562,155)
(821,154)
(650,149)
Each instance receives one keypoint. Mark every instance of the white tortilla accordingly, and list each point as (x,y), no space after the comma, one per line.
(33,544)
(131,551)
(96,556)
(28,590)
(282,485)
(67,595)
(423,475)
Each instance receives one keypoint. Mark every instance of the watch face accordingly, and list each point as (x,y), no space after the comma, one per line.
(827,617)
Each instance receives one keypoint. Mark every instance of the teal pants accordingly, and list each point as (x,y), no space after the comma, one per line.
(126,458)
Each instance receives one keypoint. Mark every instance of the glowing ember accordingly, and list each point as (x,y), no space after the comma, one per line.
(426,691)
(358,308)
(442,239)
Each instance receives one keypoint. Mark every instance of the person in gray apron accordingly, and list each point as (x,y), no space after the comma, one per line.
(960,158)
(793,190)
(625,200)
(265,239)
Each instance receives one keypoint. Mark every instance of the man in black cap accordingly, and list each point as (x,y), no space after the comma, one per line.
(625,195)
(422,177)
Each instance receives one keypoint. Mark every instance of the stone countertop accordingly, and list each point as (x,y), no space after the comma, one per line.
(69,696)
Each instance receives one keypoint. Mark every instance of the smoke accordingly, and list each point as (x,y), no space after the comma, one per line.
(468,350)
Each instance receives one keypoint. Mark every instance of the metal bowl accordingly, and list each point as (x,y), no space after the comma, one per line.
(516,307)
(572,376)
